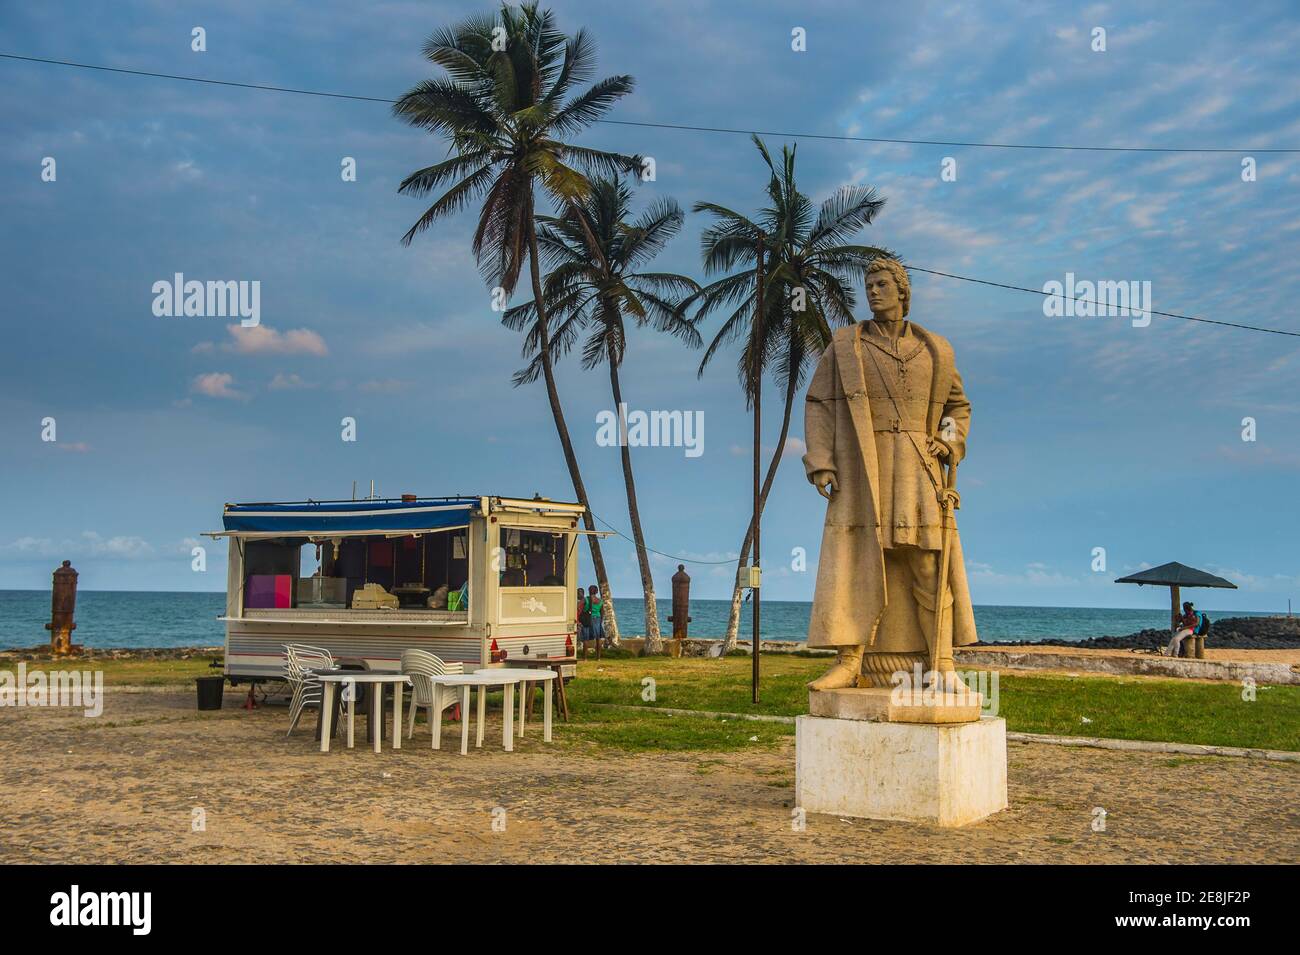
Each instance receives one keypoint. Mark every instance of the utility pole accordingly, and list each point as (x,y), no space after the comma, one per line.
(758,433)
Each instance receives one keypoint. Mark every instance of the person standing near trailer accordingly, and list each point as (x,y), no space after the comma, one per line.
(596,624)
(581,616)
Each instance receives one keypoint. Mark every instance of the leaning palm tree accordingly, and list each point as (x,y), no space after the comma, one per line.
(595,254)
(507,109)
(807,271)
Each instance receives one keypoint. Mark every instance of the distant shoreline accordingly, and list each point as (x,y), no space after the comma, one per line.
(141,619)
(1230,633)
(666,599)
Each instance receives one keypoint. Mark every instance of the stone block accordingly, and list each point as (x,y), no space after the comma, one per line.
(943,774)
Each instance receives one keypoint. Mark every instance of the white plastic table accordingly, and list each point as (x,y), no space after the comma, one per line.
(481,679)
(525,676)
(330,678)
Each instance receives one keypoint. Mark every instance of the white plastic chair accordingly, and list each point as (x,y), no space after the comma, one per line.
(420,665)
(299,662)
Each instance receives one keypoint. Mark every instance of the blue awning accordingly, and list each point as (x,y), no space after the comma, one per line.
(323,518)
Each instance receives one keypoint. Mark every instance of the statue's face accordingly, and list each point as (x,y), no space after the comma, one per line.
(882,292)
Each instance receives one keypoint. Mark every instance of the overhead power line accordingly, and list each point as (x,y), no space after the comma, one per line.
(746,132)
(685,560)
(1038,291)
(195,79)
(683,126)
(943,142)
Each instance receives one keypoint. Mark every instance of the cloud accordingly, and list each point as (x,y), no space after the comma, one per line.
(264,340)
(89,544)
(384,386)
(1035,575)
(1257,455)
(794,448)
(283,382)
(216,384)
(1279,583)
(419,336)
(261,340)
(186,171)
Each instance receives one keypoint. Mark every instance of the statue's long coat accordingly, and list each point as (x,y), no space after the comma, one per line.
(851,592)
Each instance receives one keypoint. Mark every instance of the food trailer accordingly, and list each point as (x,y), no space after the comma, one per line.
(457,576)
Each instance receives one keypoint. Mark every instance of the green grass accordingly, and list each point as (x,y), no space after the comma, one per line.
(1175,711)
(1141,709)
(130,672)
(694,683)
(634,732)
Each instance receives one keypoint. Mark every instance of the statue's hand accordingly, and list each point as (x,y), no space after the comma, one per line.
(938,448)
(820,480)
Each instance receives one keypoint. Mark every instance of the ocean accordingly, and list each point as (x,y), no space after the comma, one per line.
(146,619)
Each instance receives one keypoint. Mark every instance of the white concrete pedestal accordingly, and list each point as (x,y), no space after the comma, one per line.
(945,774)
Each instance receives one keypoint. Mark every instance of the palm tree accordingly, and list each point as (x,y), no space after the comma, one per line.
(505,106)
(808,271)
(594,254)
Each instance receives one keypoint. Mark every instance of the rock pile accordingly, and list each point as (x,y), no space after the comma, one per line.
(1230,633)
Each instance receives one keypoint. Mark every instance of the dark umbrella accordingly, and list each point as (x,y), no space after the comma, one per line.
(1175,575)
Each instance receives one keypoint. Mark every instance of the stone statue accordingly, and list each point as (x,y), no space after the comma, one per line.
(884,412)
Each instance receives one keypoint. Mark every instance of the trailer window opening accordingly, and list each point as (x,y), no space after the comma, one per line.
(532,558)
(423,571)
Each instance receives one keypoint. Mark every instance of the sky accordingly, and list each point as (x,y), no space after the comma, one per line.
(1086,433)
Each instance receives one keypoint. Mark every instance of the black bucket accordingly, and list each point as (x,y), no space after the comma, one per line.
(210,691)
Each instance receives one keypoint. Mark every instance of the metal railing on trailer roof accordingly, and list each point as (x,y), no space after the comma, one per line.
(364,500)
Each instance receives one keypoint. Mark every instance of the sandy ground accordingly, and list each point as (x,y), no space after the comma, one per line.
(123,787)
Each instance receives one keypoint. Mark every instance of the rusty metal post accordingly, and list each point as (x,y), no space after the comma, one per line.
(681,615)
(63,604)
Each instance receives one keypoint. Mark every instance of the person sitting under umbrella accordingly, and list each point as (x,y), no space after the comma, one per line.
(1185,628)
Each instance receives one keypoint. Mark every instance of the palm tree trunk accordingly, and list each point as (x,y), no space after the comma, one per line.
(653,642)
(566,443)
(733,618)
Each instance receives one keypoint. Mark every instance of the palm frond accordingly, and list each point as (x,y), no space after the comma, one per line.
(441,106)
(451,201)
(583,110)
(598,162)
(577,66)
(463,50)
(423,181)
(845,213)
(646,236)
(732,328)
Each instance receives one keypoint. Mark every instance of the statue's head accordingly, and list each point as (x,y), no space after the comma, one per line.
(888,286)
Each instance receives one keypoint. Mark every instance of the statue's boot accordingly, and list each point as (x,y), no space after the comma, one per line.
(848,663)
(948,677)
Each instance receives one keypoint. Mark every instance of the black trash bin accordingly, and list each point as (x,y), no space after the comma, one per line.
(210,691)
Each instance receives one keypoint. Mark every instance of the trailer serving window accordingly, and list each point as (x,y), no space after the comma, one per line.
(532,558)
(415,571)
